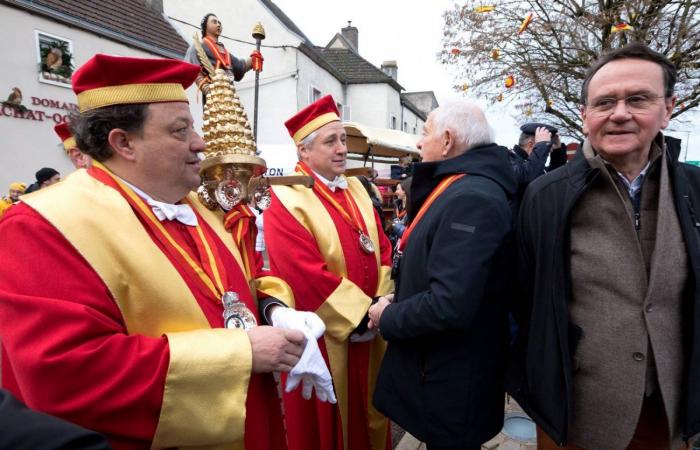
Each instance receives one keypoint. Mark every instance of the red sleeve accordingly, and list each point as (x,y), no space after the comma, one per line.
(68,350)
(294,254)
(384,242)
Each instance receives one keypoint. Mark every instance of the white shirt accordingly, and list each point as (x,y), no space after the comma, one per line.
(338,182)
(183,213)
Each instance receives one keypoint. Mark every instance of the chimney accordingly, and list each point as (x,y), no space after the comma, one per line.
(155,5)
(391,68)
(352,35)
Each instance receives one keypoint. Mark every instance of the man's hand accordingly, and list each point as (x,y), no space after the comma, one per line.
(312,372)
(291,319)
(542,134)
(256,61)
(376,310)
(275,349)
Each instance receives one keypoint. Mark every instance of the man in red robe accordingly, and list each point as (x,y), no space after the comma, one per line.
(328,244)
(79,159)
(112,282)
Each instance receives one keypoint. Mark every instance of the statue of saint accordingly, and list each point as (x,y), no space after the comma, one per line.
(219,57)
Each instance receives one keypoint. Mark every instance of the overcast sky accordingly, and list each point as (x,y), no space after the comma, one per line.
(409,31)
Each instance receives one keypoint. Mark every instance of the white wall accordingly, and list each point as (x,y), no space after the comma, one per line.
(311,74)
(370,104)
(412,120)
(393,106)
(30,145)
(286,75)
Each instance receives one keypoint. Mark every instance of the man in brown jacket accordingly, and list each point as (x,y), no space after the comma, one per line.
(609,260)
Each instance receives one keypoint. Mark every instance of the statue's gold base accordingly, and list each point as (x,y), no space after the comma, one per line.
(234,166)
(212,168)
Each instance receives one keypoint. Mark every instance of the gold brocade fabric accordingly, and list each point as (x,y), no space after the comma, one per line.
(207,380)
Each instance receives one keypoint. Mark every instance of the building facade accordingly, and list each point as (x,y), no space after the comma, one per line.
(296,73)
(47,39)
(44,41)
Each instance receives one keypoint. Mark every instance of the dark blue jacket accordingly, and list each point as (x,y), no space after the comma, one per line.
(442,375)
(22,428)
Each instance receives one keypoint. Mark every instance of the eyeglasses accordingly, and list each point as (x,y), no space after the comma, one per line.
(635,104)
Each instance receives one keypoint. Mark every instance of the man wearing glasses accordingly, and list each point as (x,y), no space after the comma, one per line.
(610,261)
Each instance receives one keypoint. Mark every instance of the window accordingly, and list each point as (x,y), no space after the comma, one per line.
(393,122)
(55,58)
(314,94)
(405,126)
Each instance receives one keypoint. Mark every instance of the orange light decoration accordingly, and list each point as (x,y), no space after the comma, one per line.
(495,54)
(500,97)
(484,9)
(528,111)
(510,81)
(464,87)
(621,26)
(550,103)
(455,51)
(526,22)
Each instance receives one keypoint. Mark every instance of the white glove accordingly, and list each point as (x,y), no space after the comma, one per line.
(312,370)
(364,337)
(291,319)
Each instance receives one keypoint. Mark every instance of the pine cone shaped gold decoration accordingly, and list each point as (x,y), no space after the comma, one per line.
(226,128)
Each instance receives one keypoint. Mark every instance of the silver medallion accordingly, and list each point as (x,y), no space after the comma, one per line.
(262,198)
(204,197)
(236,314)
(229,193)
(366,243)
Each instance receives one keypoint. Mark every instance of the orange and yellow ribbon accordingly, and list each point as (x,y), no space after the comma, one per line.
(439,189)
(354,218)
(210,271)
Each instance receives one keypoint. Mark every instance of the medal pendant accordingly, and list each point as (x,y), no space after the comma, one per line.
(236,314)
(262,198)
(366,243)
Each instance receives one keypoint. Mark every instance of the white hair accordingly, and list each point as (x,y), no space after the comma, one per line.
(466,121)
(306,142)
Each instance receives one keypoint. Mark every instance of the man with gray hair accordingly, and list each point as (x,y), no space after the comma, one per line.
(442,375)
(327,243)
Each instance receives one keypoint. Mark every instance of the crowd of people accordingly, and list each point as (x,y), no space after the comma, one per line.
(127,308)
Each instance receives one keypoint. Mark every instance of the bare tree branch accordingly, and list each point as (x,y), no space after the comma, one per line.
(550,58)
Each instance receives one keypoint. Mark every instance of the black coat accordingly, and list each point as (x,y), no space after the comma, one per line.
(527,168)
(540,375)
(22,428)
(442,374)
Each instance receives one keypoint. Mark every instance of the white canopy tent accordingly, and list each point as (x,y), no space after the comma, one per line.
(379,145)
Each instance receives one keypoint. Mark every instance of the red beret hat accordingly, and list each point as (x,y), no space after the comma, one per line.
(106,80)
(311,118)
(64,134)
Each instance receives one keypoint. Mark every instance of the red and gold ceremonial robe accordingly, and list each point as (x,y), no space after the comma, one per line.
(101,326)
(318,254)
